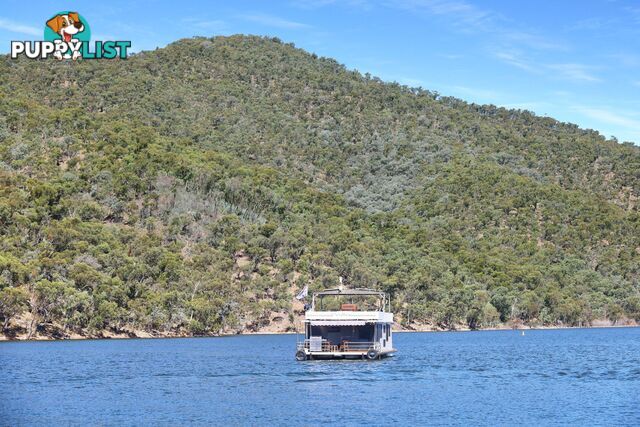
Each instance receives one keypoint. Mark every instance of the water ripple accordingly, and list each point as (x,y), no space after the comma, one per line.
(547,377)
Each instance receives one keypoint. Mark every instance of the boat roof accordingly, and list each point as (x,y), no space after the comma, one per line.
(357,291)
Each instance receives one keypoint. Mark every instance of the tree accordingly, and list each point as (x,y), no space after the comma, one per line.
(205,315)
(52,301)
(13,301)
(490,316)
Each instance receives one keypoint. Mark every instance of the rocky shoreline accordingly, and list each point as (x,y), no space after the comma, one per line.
(55,333)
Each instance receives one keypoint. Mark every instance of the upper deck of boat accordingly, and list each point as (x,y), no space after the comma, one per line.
(365,316)
(376,314)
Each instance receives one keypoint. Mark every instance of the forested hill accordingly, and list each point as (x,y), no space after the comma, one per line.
(193,189)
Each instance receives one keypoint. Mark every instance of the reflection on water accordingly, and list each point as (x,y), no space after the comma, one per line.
(555,376)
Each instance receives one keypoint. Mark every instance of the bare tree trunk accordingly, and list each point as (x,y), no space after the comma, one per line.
(196,285)
(31,327)
(33,303)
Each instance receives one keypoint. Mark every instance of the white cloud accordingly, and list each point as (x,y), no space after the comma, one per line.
(536,106)
(275,21)
(312,4)
(634,13)
(515,60)
(451,56)
(460,12)
(315,4)
(575,72)
(532,40)
(411,82)
(104,36)
(623,124)
(569,71)
(589,24)
(469,17)
(14,27)
(626,59)
(485,95)
(611,117)
(215,24)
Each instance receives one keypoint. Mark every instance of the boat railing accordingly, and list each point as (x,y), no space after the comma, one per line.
(344,346)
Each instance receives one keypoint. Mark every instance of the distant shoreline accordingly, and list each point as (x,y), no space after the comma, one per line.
(147,335)
(526,328)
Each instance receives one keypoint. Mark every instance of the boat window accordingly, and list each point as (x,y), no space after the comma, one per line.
(365,333)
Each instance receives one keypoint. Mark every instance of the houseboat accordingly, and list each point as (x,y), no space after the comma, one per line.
(347,323)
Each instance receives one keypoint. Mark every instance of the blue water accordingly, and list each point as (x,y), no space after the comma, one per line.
(547,377)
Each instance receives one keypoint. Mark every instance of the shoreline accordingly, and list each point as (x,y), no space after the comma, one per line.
(527,328)
(140,335)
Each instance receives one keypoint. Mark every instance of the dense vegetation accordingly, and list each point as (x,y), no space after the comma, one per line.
(194,188)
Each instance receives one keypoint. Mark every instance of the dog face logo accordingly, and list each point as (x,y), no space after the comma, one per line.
(69,28)
(66,25)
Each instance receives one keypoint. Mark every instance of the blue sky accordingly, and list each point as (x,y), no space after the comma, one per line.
(577,61)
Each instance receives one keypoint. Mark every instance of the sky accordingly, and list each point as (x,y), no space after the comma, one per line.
(574,60)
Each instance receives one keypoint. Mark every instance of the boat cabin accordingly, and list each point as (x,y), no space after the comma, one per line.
(347,323)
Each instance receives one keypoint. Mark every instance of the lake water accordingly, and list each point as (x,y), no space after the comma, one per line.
(580,376)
